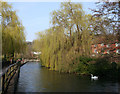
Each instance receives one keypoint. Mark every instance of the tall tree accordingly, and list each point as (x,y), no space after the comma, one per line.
(69,16)
(72,17)
(107,17)
(13,37)
(69,38)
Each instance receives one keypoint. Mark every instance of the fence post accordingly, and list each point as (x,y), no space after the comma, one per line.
(3,80)
(7,76)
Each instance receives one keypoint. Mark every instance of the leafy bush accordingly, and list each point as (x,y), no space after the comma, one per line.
(83,66)
(103,68)
(86,59)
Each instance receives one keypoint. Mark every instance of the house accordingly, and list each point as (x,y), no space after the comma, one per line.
(103,48)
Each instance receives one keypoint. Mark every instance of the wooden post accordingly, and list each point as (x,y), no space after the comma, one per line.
(7,76)
(3,80)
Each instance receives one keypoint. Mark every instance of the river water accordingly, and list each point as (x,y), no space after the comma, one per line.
(34,78)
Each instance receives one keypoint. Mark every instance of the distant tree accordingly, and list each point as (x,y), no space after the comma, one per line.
(107,15)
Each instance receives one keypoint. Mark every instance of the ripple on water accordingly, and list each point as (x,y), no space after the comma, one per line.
(34,78)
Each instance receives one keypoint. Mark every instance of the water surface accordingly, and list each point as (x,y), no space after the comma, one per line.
(34,78)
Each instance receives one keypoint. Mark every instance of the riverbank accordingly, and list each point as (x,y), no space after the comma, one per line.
(101,67)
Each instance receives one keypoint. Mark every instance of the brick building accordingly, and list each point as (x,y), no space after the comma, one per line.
(103,48)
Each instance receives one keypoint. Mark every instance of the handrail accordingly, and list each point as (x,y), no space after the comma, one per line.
(10,71)
(7,69)
(8,74)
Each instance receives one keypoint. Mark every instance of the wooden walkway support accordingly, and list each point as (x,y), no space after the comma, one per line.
(12,70)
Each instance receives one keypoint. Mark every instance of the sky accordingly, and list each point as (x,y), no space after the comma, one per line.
(36,17)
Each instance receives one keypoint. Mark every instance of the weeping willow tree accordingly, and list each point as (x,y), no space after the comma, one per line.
(13,37)
(76,24)
(68,39)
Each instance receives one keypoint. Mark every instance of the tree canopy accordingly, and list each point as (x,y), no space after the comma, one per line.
(107,20)
(13,37)
(70,37)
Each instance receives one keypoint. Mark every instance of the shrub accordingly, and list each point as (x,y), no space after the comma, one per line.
(103,68)
(83,66)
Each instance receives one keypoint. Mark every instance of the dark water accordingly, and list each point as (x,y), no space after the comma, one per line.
(34,78)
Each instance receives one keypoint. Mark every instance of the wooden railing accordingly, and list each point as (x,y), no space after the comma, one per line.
(8,74)
(33,60)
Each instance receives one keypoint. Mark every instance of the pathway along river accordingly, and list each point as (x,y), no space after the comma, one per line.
(34,78)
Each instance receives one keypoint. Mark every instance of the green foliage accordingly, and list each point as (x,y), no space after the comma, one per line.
(69,38)
(13,37)
(84,65)
(118,69)
(81,68)
(104,68)
(66,47)
(86,59)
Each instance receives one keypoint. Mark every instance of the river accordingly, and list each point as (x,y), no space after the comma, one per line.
(34,78)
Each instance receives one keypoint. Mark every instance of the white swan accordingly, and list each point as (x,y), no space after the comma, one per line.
(94,77)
